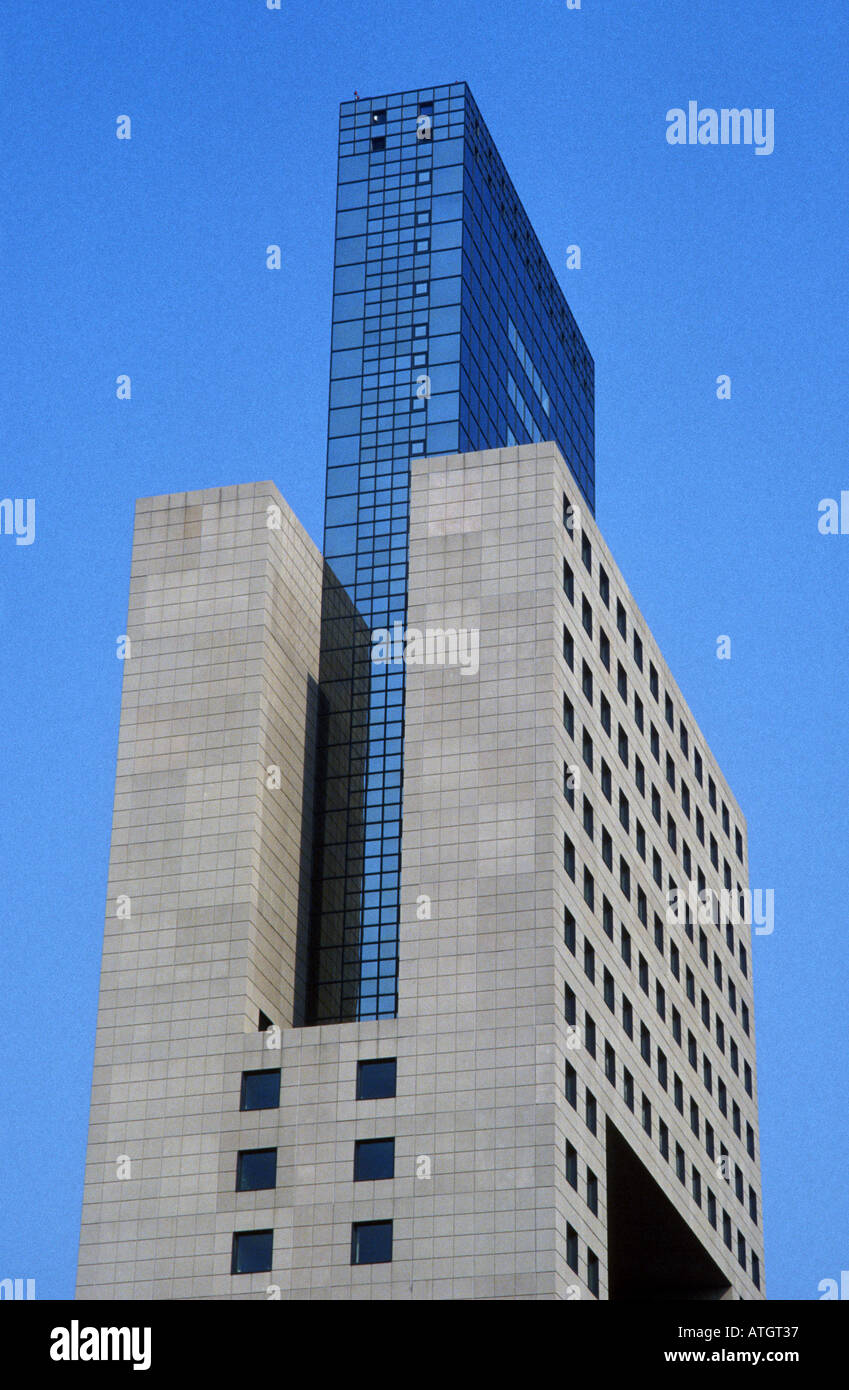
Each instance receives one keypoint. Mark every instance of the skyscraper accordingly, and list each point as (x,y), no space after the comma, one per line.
(450,333)
(423,970)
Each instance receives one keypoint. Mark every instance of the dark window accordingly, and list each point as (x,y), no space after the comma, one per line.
(592,1273)
(587,682)
(678,1093)
(569,1006)
(376,1079)
(252,1251)
(568,647)
(640,776)
(676,1025)
(624,876)
(571,1085)
(569,929)
(623,745)
(670,771)
(589,962)
(711,1208)
(621,621)
(568,716)
(591,1113)
(604,586)
(624,816)
(712,793)
(568,582)
(588,816)
(260,1090)
(738,844)
(670,711)
(628,1088)
(568,856)
(710,1141)
(662,1068)
(589,1034)
(571,1165)
(608,989)
(680,1164)
(610,1063)
(683,739)
(675,961)
(371,1242)
(587,749)
(606,780)
(640,835)
(621,681)
(378,142)
(638,652)
(645,1043)
(604,648)
(753,1205)
(607,918)
(660,999)
(756,1271)
(653,685)
(663,1140)
(572,1247)
(592,1192)
(587,615)
(694,1118)
(587,552)
(374,1159)
(256,1169)
(627,1016)
(589,889)
(646,1115)
(625,944)
(697,1186)
(604,709)
(697,765)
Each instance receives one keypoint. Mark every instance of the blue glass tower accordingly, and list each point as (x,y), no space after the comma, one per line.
(450,334)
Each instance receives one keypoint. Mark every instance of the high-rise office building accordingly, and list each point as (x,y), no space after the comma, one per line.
(399,998)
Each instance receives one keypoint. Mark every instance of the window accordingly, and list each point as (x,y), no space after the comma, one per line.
(622,681)
(568,856)
(569,1005)
(744,1018)
(675,961)
(697,1186)
(638,652)
(738,844)
(638,712)
(662,1068)
(685,799)
(705,1002)
(676,1025)
(572,1247)
(376,1079)
(690,985)
(756,1271)
(589,1033)
(655,803)
(714,852)
(623,745)
(621,621)
(660,999)
(732,995)
(700,827)
(658,933)
(627,1016)
(252,1251)
(604,648)
(569,783)
(640,835)
(642,906)
(628,1088)
(645,1044)
(753,1205)
(683,738)
(571,1165)
(568,516)
(735,1118)
(663,1140)
(624,816)
(750,1141)
(606,780)
(747,1078)
(587,552)
(640,776)
(589,889)
(721,1096)
(589,962)
(744,961)
(569,929)
(378,142)
(711,1208)
(587,682)
(587,749)
(608,989)
(371,1242)
(710,1142)
(260,1090)
(726,823)
(592,1192)
(571,1085)
(726,1229)
(670,771)
(692,1050)
(604,710)
(568,715)
(656,868)
(707,1074)
(680,1164)
(678,1093)
(607,918)
(643,974)
(587,615)
(671,832)
(256,1169)
(588,816)
(694,1118)
(697,765)
(610,1063)
(712,793)
(591,1113)
(568,582)
(374,1159)
(624,876)
(734,1057)
(653,683)
(670,710)
(604,586)
(568,647)
(646,1114)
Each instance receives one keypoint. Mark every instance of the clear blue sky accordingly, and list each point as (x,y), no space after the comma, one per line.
(148,257)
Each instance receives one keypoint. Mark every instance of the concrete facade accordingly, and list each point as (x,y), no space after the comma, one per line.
(507,1106)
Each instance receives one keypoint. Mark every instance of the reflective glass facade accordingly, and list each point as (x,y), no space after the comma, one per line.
(450,334)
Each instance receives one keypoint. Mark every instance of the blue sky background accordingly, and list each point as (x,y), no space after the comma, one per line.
(148,257)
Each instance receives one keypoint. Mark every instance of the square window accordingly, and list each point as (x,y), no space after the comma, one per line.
(374,1159)
(260,1090)
(256,1169)
(252,1251)
(376,1079)
(371,1242)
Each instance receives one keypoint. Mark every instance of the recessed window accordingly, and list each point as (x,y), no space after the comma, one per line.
(260,1090)
(587,552)
(252,1252)
(571,1085)
(376,1079)
(569,929)
(592,1192)
(571,1165)
(621,621)
(604,648)
(374,1159)
(378,143)
(572,1248)
(568,582)
(256,1169)
(587,616)
(653,682)
(371,1243)
(638,651)
(604,586)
